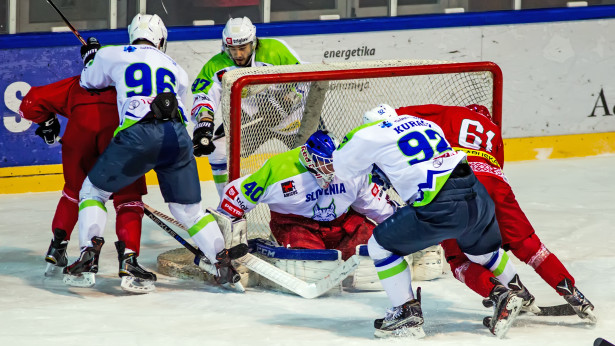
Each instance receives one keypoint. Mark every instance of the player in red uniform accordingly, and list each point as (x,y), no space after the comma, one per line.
(92,119)
(471,130)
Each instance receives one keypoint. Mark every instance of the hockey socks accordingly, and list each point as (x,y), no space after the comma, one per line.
(498,263)
(66,215)
(394,275)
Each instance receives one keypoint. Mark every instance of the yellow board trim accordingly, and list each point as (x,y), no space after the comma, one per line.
(49,177)
(558,147)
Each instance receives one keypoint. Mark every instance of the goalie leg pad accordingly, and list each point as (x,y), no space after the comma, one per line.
(305,264)
(365,277)
(428,264)
(235,232)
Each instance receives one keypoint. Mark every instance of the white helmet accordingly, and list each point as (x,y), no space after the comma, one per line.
(381,112)
(237,32)
(149,28)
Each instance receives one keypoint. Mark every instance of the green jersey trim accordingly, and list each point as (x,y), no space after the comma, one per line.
(276,169)
(351,134)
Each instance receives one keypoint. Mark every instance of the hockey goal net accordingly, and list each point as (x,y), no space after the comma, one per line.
(269,110)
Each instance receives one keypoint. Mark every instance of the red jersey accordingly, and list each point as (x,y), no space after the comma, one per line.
(92,119)
(468,131)
(65,97)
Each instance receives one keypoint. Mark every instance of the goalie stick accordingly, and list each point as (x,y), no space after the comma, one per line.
(271,272)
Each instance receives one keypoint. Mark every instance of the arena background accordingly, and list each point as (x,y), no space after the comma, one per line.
(558,67)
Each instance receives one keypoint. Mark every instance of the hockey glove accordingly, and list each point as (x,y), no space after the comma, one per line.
(49,130)
(89,50)
(380,179)
(202,138)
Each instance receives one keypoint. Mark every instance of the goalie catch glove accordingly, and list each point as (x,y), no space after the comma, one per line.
(88,51)
(49,130)
(202,141)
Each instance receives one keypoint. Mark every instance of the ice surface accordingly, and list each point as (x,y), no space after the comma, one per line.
(570,202)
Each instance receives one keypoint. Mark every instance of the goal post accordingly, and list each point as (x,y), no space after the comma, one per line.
(269,110)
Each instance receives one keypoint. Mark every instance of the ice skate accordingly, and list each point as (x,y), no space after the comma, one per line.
(529,302)
(135,279)
(506,307)
(227,277)
(405,320)
(56,254)
(82,272)
(581,305)
(223,271)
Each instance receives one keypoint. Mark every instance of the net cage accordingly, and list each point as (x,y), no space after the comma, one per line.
(269,110)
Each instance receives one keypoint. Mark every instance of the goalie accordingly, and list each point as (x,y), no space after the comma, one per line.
(310,207)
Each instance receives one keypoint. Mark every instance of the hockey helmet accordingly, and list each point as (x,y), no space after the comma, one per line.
(239,32)
(381,112)
(150,28)
(317,156)
(480,109)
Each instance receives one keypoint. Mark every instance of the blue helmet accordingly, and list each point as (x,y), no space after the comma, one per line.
(317,155)
(321,144)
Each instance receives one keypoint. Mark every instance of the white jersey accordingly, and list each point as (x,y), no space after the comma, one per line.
(138,73)
(286,186)
(412,152)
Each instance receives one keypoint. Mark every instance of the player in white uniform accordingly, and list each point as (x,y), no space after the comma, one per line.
(151,135)
(310,208)
(445,200)
(276,110)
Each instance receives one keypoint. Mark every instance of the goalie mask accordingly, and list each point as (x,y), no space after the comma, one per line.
(149,28)
(381,112)
(317,156)
(239,40)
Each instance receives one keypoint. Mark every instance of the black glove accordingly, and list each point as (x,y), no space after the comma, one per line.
(89,50)
(49,130)
(202,138)
(380,179)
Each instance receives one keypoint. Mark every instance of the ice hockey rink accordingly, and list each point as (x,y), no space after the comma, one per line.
(571,203)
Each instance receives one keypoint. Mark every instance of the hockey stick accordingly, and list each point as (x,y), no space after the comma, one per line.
(555,310)
(234,252)
(72,28)
(277,275)
(148,211)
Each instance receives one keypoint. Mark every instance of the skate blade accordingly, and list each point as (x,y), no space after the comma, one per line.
(589,315)
(236,287)
(532,308)
(404,332)
(50,270)
(85,279)
(135,285)
(501,326)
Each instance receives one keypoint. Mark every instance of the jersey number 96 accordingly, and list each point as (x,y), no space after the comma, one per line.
(139,77)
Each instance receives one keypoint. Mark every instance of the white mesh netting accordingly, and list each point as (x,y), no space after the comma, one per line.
(280,106)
